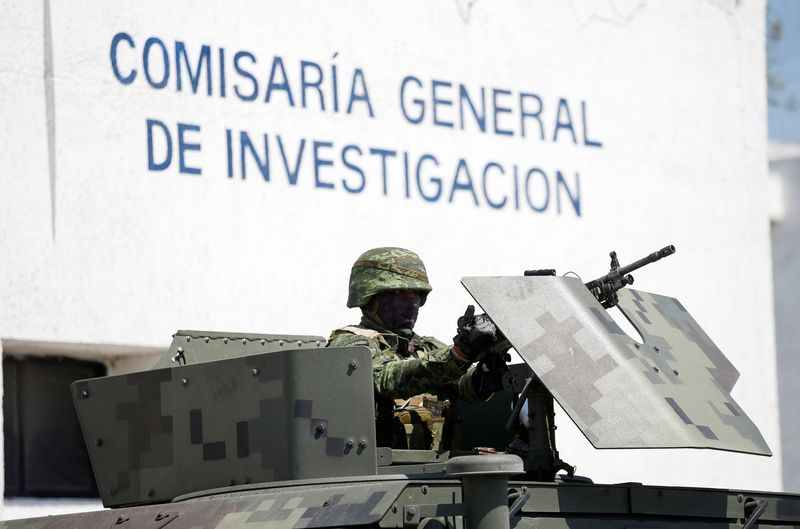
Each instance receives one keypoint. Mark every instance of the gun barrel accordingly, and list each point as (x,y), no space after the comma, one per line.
(652,258)
(625,270)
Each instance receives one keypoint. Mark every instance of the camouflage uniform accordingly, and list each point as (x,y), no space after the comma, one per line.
(402,367)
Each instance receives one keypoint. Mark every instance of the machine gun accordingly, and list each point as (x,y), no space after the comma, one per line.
(538,445)
(605,288)
(538,449)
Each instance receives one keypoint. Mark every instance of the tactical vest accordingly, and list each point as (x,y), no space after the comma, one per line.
(415,423)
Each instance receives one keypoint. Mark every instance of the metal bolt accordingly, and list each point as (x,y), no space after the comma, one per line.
(656,368)
(676,372)
(394,508)
(362,443)
(299,343)
(280,343)
(655,348)
(179,356)
(122,518)
(98,442)
(318,342)
(353,364)
(85,394)
(263,342)
(160,516)
(411,513)
(244,341)
(188,338)
(254,371)
(321,428)
(349,443)
(739,498)
(424,489)
(225,341)
(184,381)
(636,345)
(206,339)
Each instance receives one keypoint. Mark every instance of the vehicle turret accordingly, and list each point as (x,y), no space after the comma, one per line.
(232,430)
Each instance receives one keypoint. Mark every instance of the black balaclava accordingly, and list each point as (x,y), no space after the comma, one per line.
(398,310)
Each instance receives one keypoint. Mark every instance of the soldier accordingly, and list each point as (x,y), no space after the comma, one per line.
(389,285)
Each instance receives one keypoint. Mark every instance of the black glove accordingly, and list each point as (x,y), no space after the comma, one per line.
(489,374)
(476,335)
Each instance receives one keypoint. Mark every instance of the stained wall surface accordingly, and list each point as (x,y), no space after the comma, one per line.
(220,167)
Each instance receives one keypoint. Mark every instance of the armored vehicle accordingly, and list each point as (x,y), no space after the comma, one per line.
(250,431)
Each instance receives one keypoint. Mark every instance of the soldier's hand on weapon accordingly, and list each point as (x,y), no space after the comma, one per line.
(501,345)
(489,373)
(475,336)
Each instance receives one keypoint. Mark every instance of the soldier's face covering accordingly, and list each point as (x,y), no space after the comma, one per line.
(398,309)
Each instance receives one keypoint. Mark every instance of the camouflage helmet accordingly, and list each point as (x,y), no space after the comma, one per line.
(383,269)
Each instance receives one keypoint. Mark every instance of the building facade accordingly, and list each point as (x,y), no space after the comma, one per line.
(785,170)
(174,167)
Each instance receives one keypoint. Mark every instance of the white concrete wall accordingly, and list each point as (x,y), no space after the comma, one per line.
(667,101)
(785,169)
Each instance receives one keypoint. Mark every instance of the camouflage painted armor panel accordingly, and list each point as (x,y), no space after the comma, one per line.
(403,371)
(668,390)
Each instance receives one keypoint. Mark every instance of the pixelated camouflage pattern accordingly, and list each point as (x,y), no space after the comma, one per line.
(399,376)
(685,337)
(383,269)
(670,391)
(192,347)
(312,506)
(559,329)
(395,502)
(156,434)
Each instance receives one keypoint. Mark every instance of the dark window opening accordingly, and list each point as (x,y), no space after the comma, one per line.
(44,450)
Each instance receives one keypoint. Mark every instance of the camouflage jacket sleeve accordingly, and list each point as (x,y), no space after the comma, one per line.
(394,377)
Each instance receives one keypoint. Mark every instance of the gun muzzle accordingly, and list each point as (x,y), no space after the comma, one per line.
(652,258)
(665,251)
